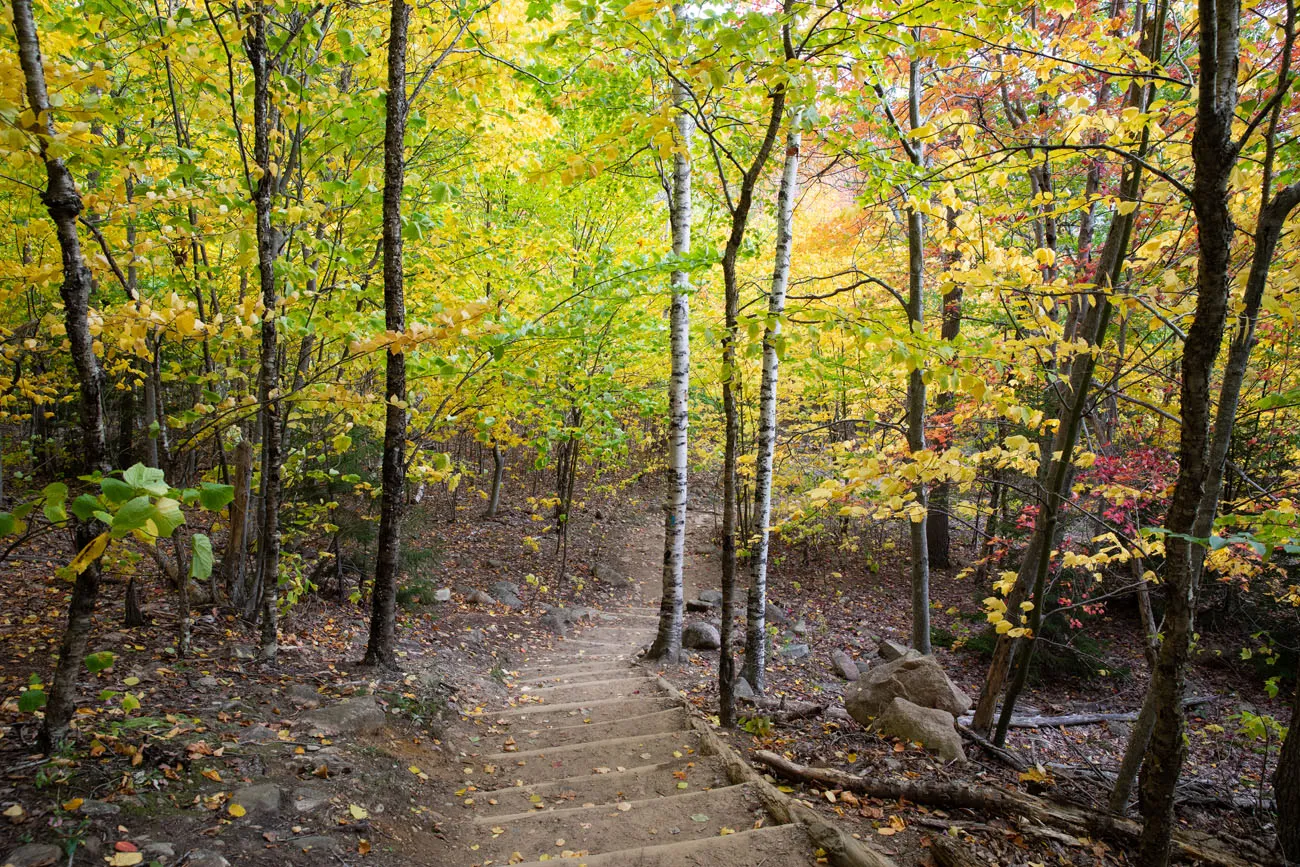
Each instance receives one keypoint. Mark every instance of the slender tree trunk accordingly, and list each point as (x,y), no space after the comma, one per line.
(63,203)
(938,530)
(1286,787)
(918,525)
(730,505)
(755,643)
(498,475)
(668,641)
(268,381)
(379,650)
(232,564)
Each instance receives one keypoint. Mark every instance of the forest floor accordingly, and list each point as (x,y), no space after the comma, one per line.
(218,734)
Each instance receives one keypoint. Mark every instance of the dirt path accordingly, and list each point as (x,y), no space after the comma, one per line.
(591,757)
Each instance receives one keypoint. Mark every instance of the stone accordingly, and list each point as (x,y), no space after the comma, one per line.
(711,597)
(845,667)
(318,843)
(303,695)
(261,801)
(891,650)
(307,800)
(507,594)
(701,636)
(478,597)
(932,728)
(159,851)
(800,628)
(352,716)
(207,681)
(794,651)
(611,576)
(258,734)
(206,858)
(242,651)
(93,808)
(742,690)
(919,679)
(496,564)
(34,855)
(772,614)
(442,594)
(555,622)
(698,606)
(863,667)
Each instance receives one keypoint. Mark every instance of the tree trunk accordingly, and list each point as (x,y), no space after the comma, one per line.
(1286,787)
(379,650)
(232,564)
(755,637)
(63,203)
(668,641)
(938,531)
(268,380)
(498,475)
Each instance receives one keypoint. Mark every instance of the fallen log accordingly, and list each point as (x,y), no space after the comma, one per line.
(1080,719)
(1075,820)
(949,852)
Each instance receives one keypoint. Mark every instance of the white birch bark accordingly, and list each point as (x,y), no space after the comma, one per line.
(755,646)
(668,641)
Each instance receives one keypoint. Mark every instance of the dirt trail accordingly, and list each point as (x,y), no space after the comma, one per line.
(593,758)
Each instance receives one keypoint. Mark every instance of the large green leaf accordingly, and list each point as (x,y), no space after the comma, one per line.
(166,516)
(200,557)
(116,490)
(100,660)
(85,506)
(214,497)
(144,478)
(132,516)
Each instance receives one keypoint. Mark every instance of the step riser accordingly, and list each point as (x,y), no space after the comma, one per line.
(583,759)
(658,723)
(594,691)
(544,715)
(784,845)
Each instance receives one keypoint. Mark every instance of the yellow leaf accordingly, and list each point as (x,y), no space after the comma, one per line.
(74,804)
(236,810)
(125,859)
(357,812)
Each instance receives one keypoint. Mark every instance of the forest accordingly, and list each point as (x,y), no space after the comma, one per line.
(909,390)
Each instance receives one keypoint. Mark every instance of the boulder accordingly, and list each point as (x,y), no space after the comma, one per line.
(701,636)
(442,594)
(206,858)
(800,628)
(742,690)
(772,614)
(711,597)
(698,606)
(159,851)
(919,679)
(931,728)
(261,801)
(507,594)
(554,621)
(845,667)
(891,650)
(478,597)
(303,695)
(794,651)
(496,564)
(242,651)
(358,715)
(308,800)
(611,576)
(34,855)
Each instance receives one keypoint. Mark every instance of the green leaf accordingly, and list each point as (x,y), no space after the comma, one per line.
(150,479)
(32,699)
(8,524)
(97,662)
(55,496)
(166,516)
(201,559)
(116,490)
(214,497)
(130,702)
(132,516)
(85,506)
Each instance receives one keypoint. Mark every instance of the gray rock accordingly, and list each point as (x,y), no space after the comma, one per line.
(358,715)
(711,597)
(800,628)
(610,576)
(442,594)
(159,851)
(34,855)
(772,614)
(303,695)
(701,636)
(507,594)
(845,667)
(496,564)
(932,728)
(206,858)
(919,679)
(318,843)
(242,651)
(555,622)
(698,606)
(742,690)
(93,808)
(258,734)
(207,681)
(309,800)
(794,651)
(261,801)
(863,667)
(478,597)
(891,650)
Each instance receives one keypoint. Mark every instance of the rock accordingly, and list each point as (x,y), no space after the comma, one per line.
(698,606)
(206,858)
(891,650)
(711,597)
(442,594)
(932,728)
(258,734)
(794,651)
(742,690)
(611,576)
(242,651)
(318,843)
(309,800)
(863,667)
(478,597)
(207,681)
(845,667)
(93,808)
(772,614)
(303,695)
(507,594)
(358,715)
(34,855)
(701,636)
(555,622)
(919,679)
(496,564)
(800,628)
(261,801)
(159,851)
